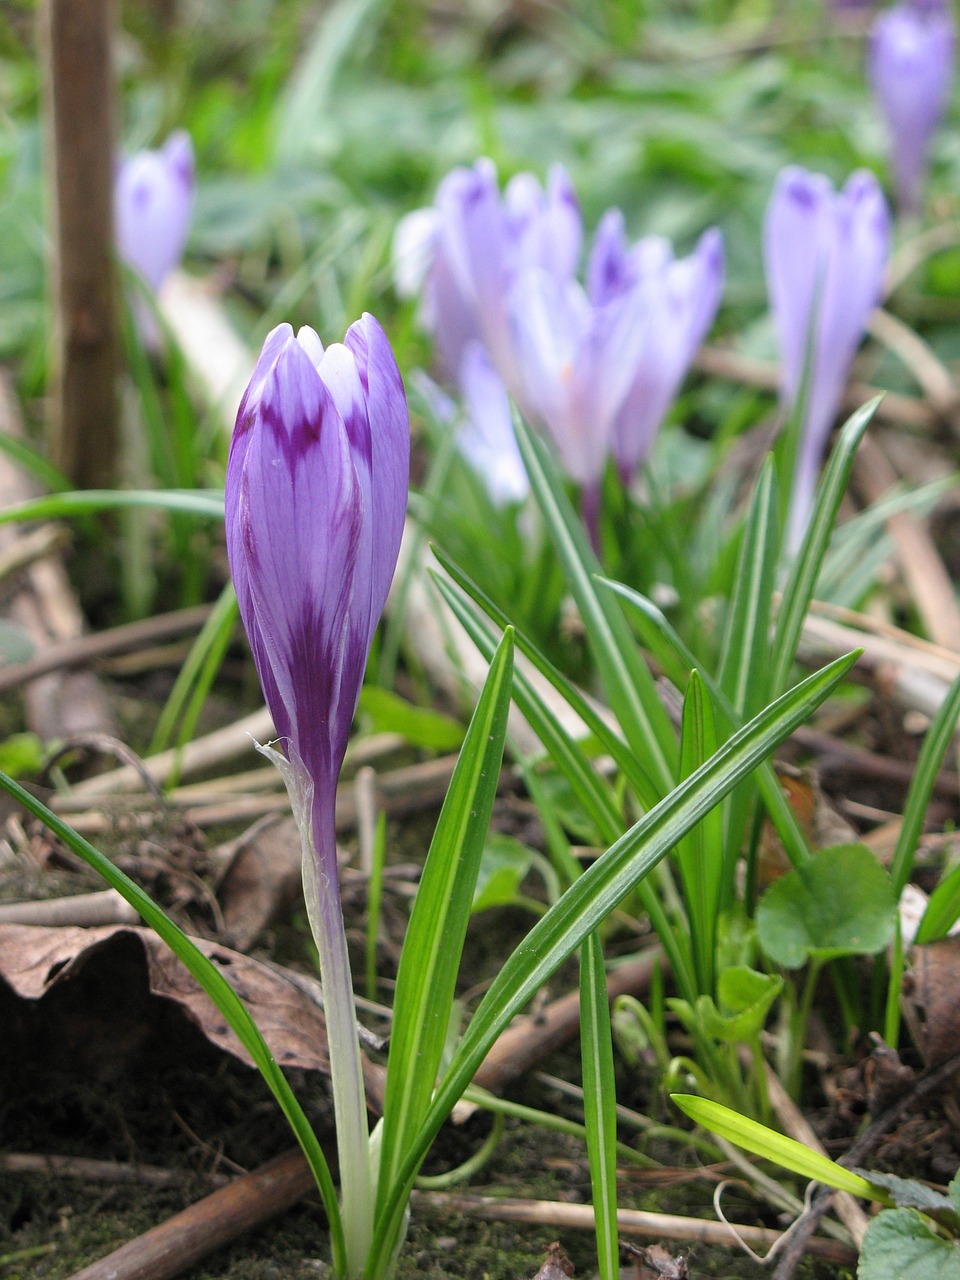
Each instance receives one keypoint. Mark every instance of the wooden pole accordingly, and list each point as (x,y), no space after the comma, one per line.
(79,94)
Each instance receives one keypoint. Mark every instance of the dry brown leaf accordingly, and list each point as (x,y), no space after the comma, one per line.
(932,991)
(556,1265)
(36,960)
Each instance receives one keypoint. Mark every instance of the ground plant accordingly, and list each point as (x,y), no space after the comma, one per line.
(598,462)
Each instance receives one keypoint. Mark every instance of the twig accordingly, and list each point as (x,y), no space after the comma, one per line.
(105,907)
(175,1245)
(921,567)
(796,1126)
(37,544)
(902,410)
(102,1170)
(82,650)
(630,1222)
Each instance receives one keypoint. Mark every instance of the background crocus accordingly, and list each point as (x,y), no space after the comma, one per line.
(315,499)
(473,244)
(153,204)
(576,362)
(485,439)
(825,254)
(910,62)
(678,303)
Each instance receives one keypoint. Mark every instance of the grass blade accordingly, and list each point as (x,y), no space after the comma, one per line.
(802,578)
(787,1152)
(430,959)
(630,688)
(599,1103)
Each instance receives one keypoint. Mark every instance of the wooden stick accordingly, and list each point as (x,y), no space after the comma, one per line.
(85,649)
(630,1222)
(83,425)
(175,1245)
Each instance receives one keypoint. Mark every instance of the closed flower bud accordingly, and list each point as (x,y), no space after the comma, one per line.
(910,64)
(825,255)
(316,494)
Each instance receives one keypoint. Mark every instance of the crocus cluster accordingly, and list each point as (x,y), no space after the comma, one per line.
(825,254)
(910,63)
(595,366)
(315,498)
(153,205)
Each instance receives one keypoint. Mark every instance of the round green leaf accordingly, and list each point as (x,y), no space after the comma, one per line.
(842,904)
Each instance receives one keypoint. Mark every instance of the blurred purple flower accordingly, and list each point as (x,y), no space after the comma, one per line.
(153,203)
(680,298)
(485,438)
(825,254)
(316,492)
(910,63)
(467,250)
(577,360)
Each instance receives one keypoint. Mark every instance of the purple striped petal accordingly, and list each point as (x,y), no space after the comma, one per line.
(314,508)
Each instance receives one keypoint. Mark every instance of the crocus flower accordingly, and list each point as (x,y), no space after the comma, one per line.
(316,492)
(485,439)
(910,63)
(153,204)
(680,298)
(473,244)
(825,255)
(577,361)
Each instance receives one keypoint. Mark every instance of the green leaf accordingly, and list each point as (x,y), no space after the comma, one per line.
(677,660)
(420,726)
(700,853)
(22,753)
(901,1245)
(770,1145)
(609,742)
(744,665)
(802,578)
(935,743)
(744,998)
(943,909)
(587,902)
(908,1193)
(842,904)
(197,502)
(503,866)
(631,692)
(430,959)
(599,1102)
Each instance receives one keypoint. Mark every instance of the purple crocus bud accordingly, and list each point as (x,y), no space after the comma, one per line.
(825,254)
(153,204)
(910,63)
(679,300)
(316,493)
(486,439)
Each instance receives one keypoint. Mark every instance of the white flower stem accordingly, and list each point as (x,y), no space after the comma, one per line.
(321,892)
(322,896)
